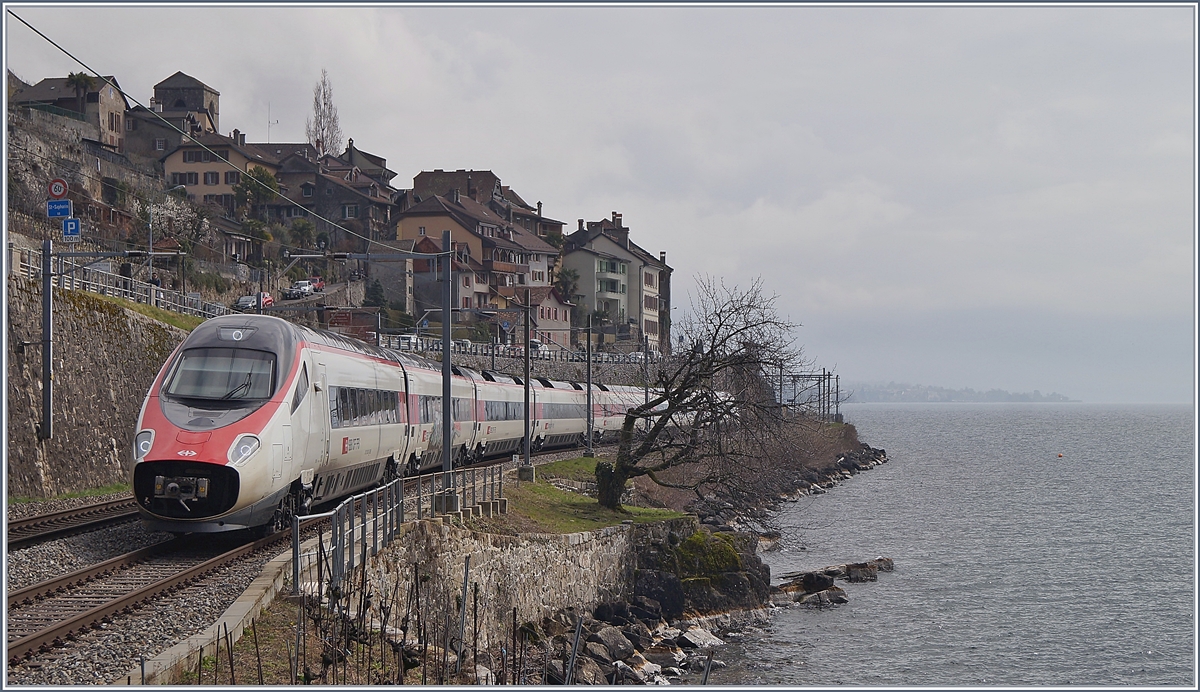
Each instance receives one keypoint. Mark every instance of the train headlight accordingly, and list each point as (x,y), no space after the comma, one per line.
(243,448)
(142,444)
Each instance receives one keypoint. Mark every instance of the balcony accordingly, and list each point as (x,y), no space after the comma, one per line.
(496,266)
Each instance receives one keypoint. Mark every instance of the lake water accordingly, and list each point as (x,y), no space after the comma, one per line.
(1013,566)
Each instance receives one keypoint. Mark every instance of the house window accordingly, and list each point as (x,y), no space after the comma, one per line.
(212,178)
(233,177)
(328,191)
(130,124)
(420,230)
(649,279)
(466,302)
(307,190)
(160,144)
(349,211)
(555,313)
(185,178)
(650,327)
(651,302)
(466,281)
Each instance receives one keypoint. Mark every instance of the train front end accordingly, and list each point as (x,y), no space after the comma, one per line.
(211,425)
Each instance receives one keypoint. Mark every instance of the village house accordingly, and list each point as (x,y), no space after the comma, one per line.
(199,164)
(181,106)
(334,188)
(623,284)
(103,106)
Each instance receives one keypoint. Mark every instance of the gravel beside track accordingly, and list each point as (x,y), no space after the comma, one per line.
(106,655)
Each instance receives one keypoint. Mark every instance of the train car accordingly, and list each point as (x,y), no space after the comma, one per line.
(254,419)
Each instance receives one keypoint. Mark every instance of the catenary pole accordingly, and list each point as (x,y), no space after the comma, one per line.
(47,429)
(528,442)
(447,422)
(591,421)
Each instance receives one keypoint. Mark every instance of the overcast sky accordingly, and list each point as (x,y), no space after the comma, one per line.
(986,197)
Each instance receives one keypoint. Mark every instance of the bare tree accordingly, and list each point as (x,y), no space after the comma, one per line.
(323,129)
(710,407)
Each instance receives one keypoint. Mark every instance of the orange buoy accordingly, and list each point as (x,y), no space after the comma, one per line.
(1060,456)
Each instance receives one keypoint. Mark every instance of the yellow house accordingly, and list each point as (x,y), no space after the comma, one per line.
(207,178)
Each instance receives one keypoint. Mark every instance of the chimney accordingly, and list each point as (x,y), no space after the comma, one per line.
(242,139)
(539,209)
(581,224)
(616,219)
(662,257)
(470,191)
(454,196)
(235,135)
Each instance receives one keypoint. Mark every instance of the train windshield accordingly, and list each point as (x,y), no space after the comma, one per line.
(223,374)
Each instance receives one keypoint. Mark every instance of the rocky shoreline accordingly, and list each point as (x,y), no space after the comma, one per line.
(694,592)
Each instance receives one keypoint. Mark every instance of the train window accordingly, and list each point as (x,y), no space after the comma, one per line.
(223,373)
(462,409)
(334,419)
(301,387)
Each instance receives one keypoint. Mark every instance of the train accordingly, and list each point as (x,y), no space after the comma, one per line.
(254,419)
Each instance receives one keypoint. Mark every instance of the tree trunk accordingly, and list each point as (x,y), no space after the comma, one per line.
(609,485)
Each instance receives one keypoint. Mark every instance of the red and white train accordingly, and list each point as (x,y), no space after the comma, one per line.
(254,418)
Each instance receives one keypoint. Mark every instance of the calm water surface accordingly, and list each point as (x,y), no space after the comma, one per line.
(1013,566)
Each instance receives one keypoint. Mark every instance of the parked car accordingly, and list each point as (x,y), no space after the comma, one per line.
(318,283)
(250,302)
(299,289)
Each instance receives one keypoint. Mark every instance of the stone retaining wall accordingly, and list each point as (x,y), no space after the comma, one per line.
(538,574)
(105,358)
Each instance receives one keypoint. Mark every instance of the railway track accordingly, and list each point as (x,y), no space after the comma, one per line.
(46,616)
(43,527)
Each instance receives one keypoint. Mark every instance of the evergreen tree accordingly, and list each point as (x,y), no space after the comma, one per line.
(375,297)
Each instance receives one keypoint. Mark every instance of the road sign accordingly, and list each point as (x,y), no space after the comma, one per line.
(71,230)
(424,324)
(59,208)
(505,325)
(58,188)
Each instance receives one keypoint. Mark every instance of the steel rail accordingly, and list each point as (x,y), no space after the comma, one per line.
(59,633)
(43,527)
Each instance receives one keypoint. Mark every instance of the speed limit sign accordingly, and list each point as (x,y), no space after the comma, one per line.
(58,188)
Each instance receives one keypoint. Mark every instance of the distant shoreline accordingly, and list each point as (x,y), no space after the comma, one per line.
(893,392)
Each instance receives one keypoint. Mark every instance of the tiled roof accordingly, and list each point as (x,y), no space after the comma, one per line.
(180,80)
(54,88)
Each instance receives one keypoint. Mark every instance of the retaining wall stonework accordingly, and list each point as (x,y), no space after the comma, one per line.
(105,359)
(538,574)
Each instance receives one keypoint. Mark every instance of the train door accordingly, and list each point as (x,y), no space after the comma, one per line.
(301,404)
(319,412)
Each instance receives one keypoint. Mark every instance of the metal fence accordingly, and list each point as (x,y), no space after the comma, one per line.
(422,344)
(366,523)
(87,277)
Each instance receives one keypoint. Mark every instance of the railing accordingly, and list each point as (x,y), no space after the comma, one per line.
(366,523)
(83,277)
(426,345)
(55,110)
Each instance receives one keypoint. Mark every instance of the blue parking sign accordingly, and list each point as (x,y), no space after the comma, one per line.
(71,230)
(58,208)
